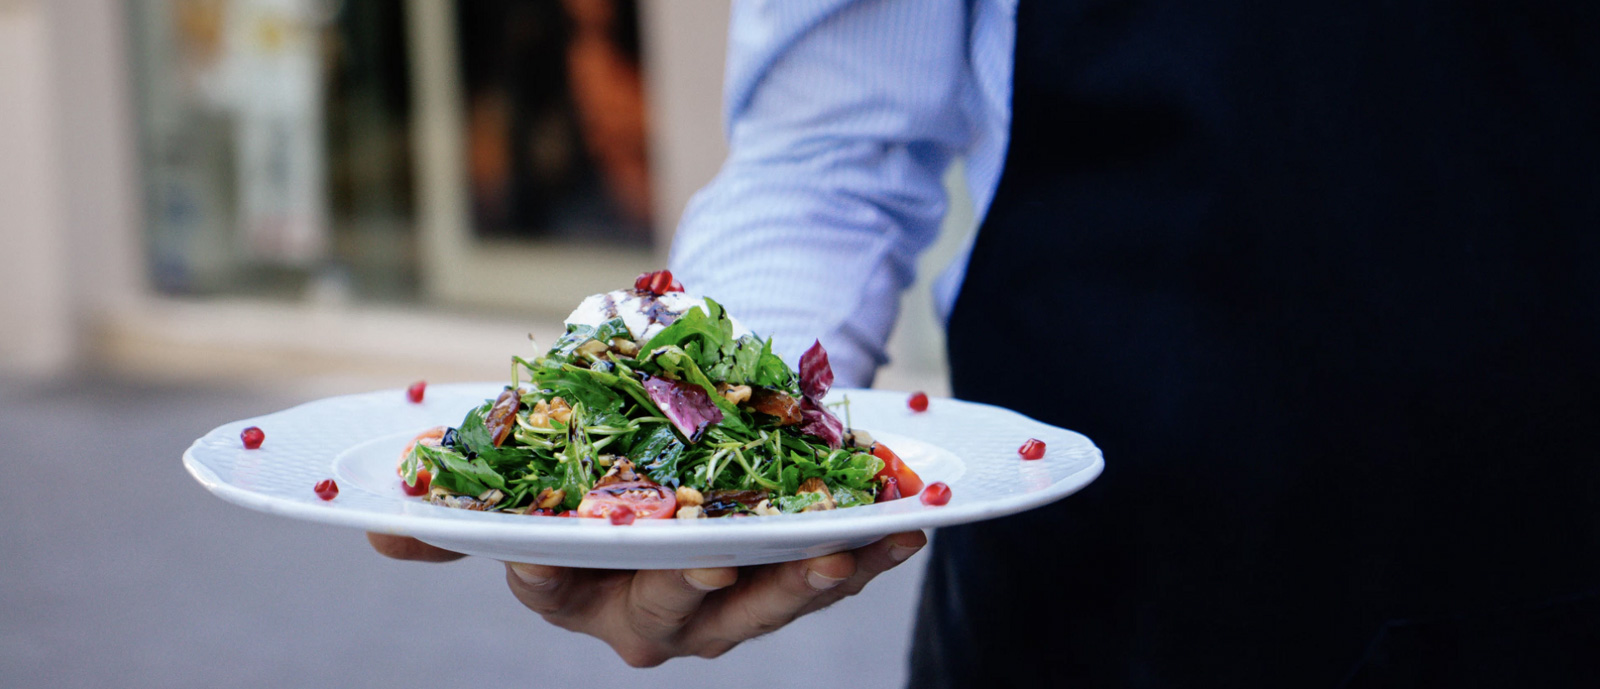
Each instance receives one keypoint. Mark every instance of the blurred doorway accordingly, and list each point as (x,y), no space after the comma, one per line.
(483,154)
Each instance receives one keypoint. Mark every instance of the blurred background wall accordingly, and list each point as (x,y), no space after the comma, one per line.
(335,195)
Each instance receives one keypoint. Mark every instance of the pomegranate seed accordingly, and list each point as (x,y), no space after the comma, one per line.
(252,437)
(661,282)
(414,393)
(676,287)
(424,480)
(918,401)
(621,516)
(936,494)
(1033,449)
(326,489)
(889,491)
(642,283)
(540,512)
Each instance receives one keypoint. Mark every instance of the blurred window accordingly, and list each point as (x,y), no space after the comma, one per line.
(555,118)
(279,142)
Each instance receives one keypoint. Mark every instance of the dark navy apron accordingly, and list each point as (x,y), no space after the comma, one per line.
(1322,279)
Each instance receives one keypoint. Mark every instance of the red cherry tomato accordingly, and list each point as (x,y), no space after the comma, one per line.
(432,437)
(918,401)
(326,489)
(642,498)
(1033,449)
(936,494)
(252,437)
(414,393)
(893,467)
(424,481)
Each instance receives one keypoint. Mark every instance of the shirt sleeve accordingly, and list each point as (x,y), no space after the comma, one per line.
(842,117)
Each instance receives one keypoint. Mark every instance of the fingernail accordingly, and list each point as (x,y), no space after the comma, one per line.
(695,579)
(821,582)
(900,553)
(537,576)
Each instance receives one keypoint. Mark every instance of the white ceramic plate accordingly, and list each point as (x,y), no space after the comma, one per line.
(356,440)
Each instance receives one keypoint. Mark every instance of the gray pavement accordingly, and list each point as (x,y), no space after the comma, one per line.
(118,570)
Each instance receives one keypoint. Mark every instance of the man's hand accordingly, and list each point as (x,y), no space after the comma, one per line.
(651,616)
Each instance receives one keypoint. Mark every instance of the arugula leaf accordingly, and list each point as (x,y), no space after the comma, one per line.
(658,455)
(739,366)
(611,330)
(474,436)
(411,465)
(790,504)
(771,371)
(576,384)
(460,474)
(693,327)
(852,469)
(851,497)
(576,334)
(472,433)
(577,460)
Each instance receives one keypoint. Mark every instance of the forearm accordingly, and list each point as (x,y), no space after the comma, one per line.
(841,125)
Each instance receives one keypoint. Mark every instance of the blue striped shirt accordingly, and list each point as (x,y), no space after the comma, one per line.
(842,116)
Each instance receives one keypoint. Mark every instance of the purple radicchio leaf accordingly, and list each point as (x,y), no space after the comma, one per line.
(816,420)
(686,405)
(816,376)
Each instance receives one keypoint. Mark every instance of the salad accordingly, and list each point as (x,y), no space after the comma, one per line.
(656,404)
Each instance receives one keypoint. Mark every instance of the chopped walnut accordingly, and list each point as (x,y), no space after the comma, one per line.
(691,512)
(858,438)
(815,485)
(549,498)
(559,410)
(592,348)
(625,346)
(736,394)
(765,509)
(689,497)
(621,471)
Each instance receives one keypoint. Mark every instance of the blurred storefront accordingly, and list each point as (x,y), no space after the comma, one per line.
(341,189)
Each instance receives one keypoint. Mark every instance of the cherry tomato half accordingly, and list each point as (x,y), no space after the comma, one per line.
(645,499)
(424,482)
(893,467)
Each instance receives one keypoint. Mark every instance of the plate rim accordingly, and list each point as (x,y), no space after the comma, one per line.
(581,533)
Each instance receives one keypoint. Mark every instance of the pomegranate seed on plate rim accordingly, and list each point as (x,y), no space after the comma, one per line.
(918,402)
(326,489)
(414,393)
(1033,449)
(936,494)
(252,437)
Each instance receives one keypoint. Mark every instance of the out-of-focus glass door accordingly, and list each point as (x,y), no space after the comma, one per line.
(479,154)
(532,133)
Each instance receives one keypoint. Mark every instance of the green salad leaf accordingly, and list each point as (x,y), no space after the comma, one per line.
(584,406)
